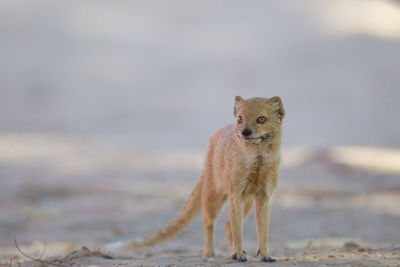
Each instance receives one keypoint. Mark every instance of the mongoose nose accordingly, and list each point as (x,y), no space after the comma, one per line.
(246,132)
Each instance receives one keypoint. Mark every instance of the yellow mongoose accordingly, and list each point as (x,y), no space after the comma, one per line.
(242,165)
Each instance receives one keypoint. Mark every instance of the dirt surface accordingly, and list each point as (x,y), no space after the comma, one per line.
(324,212)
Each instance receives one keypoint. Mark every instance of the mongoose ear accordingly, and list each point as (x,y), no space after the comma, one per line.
(238,99)
(277,105)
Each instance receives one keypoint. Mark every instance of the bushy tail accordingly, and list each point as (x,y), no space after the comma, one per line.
(188,213)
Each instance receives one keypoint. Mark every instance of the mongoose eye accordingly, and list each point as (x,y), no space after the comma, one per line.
(261,119)
(240,119)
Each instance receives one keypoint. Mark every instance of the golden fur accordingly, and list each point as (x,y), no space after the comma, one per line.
(241,167)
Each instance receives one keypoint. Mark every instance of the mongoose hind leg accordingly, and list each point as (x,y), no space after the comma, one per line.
(212,204)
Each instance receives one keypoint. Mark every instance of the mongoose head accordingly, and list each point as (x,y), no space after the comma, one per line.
(258,119)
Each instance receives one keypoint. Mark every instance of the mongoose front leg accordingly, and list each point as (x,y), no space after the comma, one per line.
(248,204)
(236,221)
(262,211)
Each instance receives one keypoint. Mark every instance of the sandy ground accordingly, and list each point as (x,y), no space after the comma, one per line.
(324,212)
(106,108)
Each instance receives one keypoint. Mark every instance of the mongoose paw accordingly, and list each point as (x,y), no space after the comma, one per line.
(234,256)
(241,258)
(268,259)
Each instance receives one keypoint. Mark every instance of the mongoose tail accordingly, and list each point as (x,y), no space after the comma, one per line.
(188,213)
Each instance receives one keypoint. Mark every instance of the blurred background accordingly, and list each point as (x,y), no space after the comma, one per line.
(106,108)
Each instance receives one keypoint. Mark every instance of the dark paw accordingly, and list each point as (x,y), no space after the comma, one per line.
(241,258)
(234,256)
(268,259)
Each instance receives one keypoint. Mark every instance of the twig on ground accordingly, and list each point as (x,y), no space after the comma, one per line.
(66,260)
(49,262)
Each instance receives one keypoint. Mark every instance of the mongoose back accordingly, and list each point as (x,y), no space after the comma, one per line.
(242,166)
